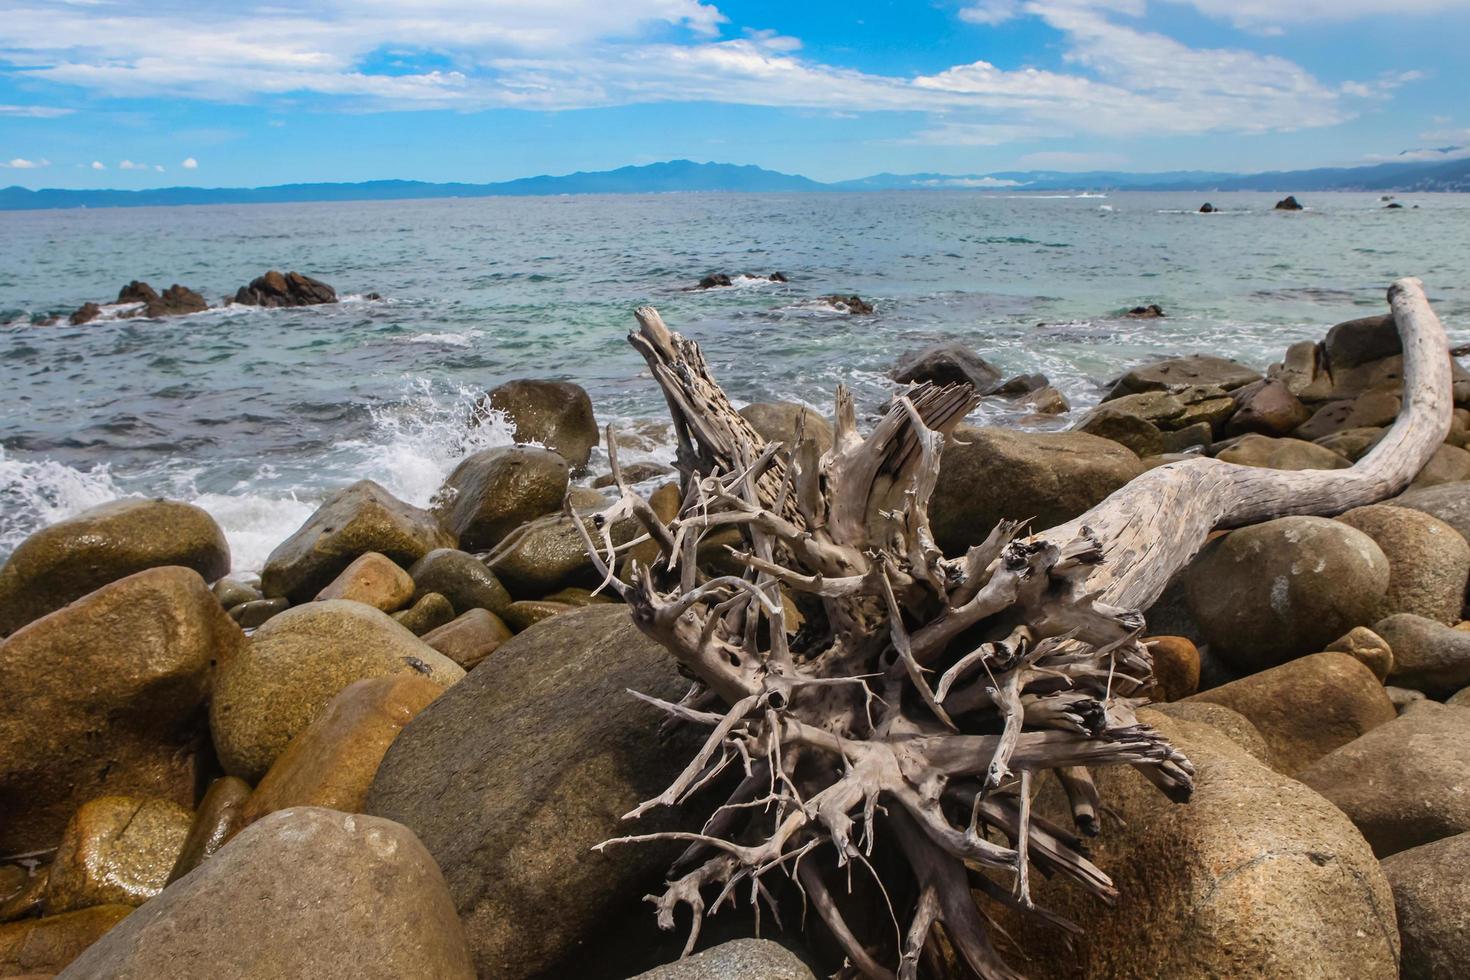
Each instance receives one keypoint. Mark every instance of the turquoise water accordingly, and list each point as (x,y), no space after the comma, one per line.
(256,414)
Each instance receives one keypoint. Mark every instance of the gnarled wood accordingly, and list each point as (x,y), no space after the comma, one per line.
(924,695)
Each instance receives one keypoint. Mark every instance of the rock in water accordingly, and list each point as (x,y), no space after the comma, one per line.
(1270,592)
(1049,478)
(1256,876)
(1404,783)
(777,422)
(291,289)
(85,313)
(514,774)
(1288,203)
(304,892)
(107,697)
(1152,311)
(554,414)
(1428,561)
(361,518)
(949,363)
(851,304)
(1428,656)
(740,959)
(35,948)
(1431,893)
(331,763)
(117,850)
(1207,208)
(1308,707)
(494,491)
(293,668)
(69,559)
(176,300)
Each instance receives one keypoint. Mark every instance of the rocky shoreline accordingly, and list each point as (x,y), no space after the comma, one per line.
(393,754)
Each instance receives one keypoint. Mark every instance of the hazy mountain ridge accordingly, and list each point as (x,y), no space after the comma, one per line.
(686,175)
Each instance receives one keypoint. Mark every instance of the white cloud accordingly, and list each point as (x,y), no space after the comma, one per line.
(1251,13)
(190,163)
(158,167)
(35,111)
(20,163)
(130,165)
(991,11)
(98,165)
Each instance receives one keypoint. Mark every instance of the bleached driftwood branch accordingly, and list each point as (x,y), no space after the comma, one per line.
(924,696)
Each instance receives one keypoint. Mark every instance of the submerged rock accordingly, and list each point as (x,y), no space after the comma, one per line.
(291,289)
(71,558)
(107,697)
(853,304)
(554,414)
(1153,311)
(304,892)
(1207,208)
(85,313)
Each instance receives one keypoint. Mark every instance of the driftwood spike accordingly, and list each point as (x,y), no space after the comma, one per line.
(925,696)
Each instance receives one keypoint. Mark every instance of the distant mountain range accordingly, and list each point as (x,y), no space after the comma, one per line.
(686,175)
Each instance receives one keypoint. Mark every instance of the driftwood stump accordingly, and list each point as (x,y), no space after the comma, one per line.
(923,697)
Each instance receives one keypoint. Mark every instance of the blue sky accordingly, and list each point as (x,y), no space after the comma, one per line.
(142,93)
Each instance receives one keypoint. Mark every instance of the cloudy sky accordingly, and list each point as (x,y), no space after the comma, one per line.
(137,93)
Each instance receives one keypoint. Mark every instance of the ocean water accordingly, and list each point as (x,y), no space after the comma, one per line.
(257,414)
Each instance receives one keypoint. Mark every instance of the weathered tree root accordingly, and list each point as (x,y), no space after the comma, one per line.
(923,697)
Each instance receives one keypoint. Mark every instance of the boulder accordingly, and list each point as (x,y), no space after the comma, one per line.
(1366,647)
(257,613)
(495,491)
(176,300)
(1207,208)
(634,473)
(1264,594)
(1428,561)
(1428,656)
(331,762)
(219,816)
(1179,441)
(69,559)
(554,414)
(1371,409)
(373,580)
(1256,877)
(1136,433)
(852,304)
(1304,371)
(470,638)
(1150,311)
(522,615)
(988,474)
(1404,783)
(117,850)
(292,289)
(293,668)
(1181,372)
(1352,444)
(85,313)
(778,422)
(1308,707)
(463,579)
(1288,203)
(304,892)
(949,363)
(34,948)
(429,612)
(1176,667)
(1281,454)
(1450,502)
(1431,894)
(1449,464)
(353,521)
(106,696)
(739,959)
(1234,725)
(232,592)
(1356,342)
(1210,404)
(1267,407)
(715,280)
(513,775)
(137,291)
(550,554)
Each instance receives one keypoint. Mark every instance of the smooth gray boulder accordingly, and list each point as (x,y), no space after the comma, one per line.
(1427,656)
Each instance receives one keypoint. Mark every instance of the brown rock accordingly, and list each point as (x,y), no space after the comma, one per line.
(1356,342)
(1428,561)
(948,363)
(428,613)
(361,518)
(522,615)
(302,893)
(495,491)
(1352,443)
(1267,407)
(1281,454)
(1450,502)
(1404,783)
(1431,893)
(331,763)
(251,615)
(85,313)
(292,289)
(463,579)
(1366,647)
(218,818)
(665,502)
(634,473)
(740,959)
(41,947)
(1234,725)
(1449,464)
(1428,656)
(296,664)
(554,414)
(1124,428)
(550,554)
(470,638)
(117,850)
(374,580)
(1176,667)
(107,697)
(1308,707)
(1050,478)
(779,421)
(1255,877)
(71,558)
(1181,372)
